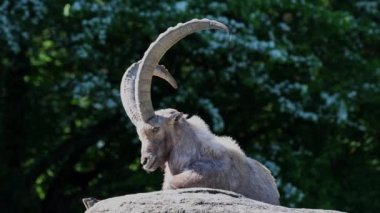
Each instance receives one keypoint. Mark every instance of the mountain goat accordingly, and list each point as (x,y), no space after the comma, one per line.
(190,153)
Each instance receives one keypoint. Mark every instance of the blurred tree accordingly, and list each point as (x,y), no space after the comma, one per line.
(297,83)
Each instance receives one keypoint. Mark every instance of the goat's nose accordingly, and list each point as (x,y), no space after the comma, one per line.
(144,160)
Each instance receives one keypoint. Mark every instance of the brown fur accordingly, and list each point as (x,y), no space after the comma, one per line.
(194,157)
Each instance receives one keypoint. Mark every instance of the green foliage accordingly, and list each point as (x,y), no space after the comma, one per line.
(297,83)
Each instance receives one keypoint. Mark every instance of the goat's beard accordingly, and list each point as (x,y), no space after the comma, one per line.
(162,167)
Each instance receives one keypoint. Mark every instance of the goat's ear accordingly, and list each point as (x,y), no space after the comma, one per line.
(175,117)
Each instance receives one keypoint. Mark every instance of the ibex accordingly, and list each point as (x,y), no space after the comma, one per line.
(190,154)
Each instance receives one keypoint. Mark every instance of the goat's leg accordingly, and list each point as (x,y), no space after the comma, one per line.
(187,179)
(200,174)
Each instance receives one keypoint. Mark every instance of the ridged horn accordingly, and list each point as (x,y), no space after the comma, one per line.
(154,54)
(162,72)
(127,88)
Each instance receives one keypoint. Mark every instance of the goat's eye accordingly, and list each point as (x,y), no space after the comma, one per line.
(156,129)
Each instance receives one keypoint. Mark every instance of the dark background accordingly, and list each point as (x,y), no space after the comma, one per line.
(296,83)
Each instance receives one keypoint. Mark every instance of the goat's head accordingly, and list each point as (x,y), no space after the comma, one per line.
(154,127)
(157,138)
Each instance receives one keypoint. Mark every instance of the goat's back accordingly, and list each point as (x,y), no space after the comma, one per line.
(262,186)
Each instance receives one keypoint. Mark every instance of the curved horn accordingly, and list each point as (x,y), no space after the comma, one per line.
(154,54)
(127,88)
(127,93)
(162,72)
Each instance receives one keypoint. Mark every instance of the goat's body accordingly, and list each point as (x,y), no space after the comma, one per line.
(201,159)
(193,156)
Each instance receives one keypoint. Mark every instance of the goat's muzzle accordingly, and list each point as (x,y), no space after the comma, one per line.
(149,162)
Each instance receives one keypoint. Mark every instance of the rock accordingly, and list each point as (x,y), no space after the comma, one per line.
(188,200)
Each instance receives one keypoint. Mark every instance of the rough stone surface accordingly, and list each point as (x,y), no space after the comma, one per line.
(190,200)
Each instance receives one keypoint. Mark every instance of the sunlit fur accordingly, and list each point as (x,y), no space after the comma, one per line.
(194,157)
